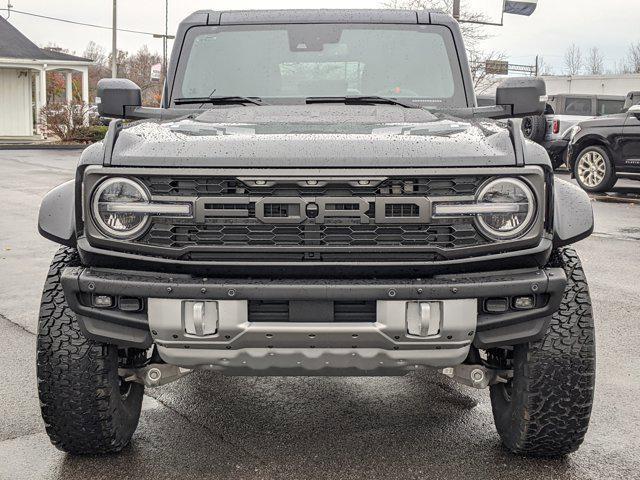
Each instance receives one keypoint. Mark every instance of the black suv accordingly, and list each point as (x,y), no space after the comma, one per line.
(319,194)
(601,150)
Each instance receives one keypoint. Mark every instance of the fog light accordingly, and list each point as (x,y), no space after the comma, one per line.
(524,303)
(103,301)
(496,305)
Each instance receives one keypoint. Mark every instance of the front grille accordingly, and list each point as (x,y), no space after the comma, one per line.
(323,220)
(445,186)
(177,235)
(340,311)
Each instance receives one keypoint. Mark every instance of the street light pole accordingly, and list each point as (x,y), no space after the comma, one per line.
(456,9)
(114,40)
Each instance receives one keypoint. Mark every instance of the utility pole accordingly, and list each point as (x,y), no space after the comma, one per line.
(165,40)
(456,9)
(114,42)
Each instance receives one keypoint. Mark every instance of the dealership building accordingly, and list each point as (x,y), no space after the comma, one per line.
(593,84)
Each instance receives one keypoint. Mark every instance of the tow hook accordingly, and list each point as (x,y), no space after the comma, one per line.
(154,375)
(477,376)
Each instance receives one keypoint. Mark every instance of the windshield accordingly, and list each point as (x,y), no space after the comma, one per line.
(288,62)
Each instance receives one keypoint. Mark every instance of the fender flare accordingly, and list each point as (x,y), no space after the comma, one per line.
(56,219)
(572,213)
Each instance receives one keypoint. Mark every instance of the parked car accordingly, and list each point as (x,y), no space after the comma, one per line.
(286,226)
(563,112)
(601,150)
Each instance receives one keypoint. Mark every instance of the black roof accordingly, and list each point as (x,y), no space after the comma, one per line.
(244,17)
(14,44)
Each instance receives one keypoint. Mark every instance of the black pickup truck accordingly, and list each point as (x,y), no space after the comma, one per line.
(318,194)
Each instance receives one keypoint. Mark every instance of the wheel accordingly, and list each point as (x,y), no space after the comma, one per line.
(594,171)
(534,128)
(544,409)
(87,408)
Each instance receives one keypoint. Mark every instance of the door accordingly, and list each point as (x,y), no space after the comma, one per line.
(16,114)
(631,143)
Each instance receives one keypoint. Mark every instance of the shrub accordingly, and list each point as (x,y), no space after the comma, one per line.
(91,134)
(67,122)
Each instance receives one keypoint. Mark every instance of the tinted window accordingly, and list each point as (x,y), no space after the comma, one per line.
(608,107)
(577,106)
(418,63)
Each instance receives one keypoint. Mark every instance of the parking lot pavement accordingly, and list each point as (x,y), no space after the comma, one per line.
(210,426)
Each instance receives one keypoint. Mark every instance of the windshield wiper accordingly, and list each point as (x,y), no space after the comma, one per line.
(225,100)
(362,100)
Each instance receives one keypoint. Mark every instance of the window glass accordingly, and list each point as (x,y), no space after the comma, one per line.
(297,61)
(608,107)
(577,106)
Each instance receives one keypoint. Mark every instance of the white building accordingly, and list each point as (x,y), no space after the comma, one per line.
(593,84)
(23,86)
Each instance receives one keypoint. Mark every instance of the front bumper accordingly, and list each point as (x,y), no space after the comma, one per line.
(307,346)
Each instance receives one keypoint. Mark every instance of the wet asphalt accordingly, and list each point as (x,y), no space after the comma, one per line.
(210,426)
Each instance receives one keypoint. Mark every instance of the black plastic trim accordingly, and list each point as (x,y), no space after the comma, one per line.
(131,329)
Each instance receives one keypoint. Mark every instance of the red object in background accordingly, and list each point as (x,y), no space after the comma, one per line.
(556,126)
(397,90)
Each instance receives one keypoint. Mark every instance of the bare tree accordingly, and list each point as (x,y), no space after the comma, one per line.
(482,80)
(595,62)
(543,67)
(573,60)
(472,32)
(100,67)
(631,63)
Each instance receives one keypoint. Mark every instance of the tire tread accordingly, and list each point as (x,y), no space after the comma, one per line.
(552,399)
(77,378)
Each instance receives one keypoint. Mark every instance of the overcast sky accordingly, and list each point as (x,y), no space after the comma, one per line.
(611,25)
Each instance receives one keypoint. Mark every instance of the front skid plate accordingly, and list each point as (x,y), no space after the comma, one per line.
(317,361)
(265,348)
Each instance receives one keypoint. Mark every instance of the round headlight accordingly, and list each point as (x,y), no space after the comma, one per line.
(519,208)
(110,203)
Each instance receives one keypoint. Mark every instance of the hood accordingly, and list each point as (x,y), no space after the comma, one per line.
(314,136)
(614,120)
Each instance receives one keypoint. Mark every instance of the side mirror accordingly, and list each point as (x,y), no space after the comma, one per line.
(634,110)
(522,97)
(116,96)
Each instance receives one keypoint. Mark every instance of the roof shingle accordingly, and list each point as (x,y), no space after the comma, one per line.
(13,44)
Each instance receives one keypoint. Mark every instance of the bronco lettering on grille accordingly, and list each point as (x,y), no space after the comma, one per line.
(295,210)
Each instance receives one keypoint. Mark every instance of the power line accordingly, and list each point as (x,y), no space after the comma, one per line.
(93,25)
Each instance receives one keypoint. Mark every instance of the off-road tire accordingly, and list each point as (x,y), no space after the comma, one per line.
(83,408)
(545,409)
(534,128)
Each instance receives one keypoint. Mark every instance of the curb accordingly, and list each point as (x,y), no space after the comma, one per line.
(612,199)
(24,146)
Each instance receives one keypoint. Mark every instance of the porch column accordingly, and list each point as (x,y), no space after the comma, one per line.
(85,85)
(41,99)
(69,89)
(43,87)
(85,91)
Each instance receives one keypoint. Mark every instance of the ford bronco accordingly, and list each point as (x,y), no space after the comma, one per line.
(318,194)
